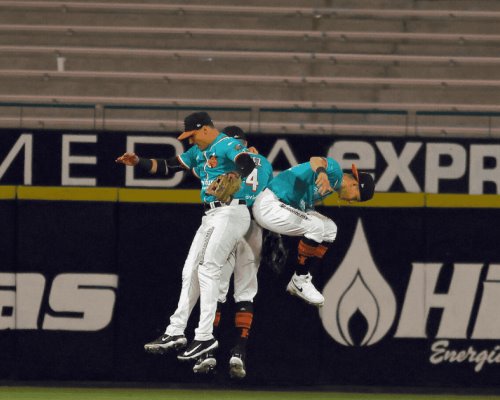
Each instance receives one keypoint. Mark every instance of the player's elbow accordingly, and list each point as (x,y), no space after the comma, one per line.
(317,162)
(244,164)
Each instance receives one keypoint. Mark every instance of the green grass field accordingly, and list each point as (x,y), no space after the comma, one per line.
(42,393)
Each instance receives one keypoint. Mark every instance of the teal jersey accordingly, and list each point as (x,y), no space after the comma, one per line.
(217,159)
(254,183)
(297,185)
(257,181)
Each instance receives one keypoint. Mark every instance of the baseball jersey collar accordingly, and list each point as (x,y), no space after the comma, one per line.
(216,140)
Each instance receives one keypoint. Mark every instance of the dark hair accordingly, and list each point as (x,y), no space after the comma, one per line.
(235,132)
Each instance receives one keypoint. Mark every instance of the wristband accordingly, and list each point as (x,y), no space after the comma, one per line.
(319,170)
(161,168)
(145,164)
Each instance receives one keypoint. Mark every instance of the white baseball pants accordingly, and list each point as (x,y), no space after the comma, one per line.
(244,261)
(273,214)
(221,228)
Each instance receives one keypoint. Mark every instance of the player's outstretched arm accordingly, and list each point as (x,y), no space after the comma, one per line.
(130,159)
(153,165)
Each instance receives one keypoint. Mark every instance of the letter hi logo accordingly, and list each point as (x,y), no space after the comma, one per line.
(358,285)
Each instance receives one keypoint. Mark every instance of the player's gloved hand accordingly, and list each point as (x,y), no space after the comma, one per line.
(225,186)
(274,252)
(130,159)
(323,184)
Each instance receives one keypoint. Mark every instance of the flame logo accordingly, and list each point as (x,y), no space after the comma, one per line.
(358,285)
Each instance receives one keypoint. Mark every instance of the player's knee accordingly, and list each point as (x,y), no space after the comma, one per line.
(245,296)
(315,231)
(210,270)
(330,231)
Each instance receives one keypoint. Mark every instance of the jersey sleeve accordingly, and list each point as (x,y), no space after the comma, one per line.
(188,158)
(332,165)
(303,171)
(196,172)
(234,148)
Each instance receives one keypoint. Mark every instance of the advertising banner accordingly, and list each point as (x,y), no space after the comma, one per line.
(408,165)
(411,294)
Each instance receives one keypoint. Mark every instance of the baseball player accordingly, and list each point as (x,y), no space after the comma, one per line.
(244,262)
(224,223)
(287,207)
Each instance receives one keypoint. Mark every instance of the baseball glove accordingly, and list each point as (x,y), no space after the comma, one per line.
(225,186)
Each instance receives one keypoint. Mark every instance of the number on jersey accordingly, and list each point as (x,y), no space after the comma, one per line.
(253,179)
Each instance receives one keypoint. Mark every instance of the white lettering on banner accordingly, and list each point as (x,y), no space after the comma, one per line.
(398,167)
(131,180)
(364,155)
(29,293)
(7,300)
(456,304)
(478,174)
(441,353)
(343,151)
(25,140)
(474,167)
(282,145)
(434,172)
(488,318)
(67,159)
(358,285)
(89,297)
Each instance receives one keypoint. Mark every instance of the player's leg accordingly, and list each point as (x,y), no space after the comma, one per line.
(248,257)
(174,338)
(226,273)
(315,246)
(207,362)
(281,218)
(278,217)
(310,249)
(227,226)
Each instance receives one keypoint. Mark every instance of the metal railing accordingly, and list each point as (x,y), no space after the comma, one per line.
(384,119)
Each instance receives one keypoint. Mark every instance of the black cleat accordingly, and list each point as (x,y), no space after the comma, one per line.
(205,364)
(165,343)
(197,348)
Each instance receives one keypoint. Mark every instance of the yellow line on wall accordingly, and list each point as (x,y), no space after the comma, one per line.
(7,192)
(183,196)
(192,196)
(67,193)
(463,200)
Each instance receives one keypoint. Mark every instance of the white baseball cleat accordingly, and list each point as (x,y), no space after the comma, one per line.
(302,286)
(237,366)
(205,364)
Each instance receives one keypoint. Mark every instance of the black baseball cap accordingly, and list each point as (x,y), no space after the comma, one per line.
(193,122)
(366,184)
(235,132)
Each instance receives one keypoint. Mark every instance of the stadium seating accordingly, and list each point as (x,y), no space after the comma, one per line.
(281,66)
